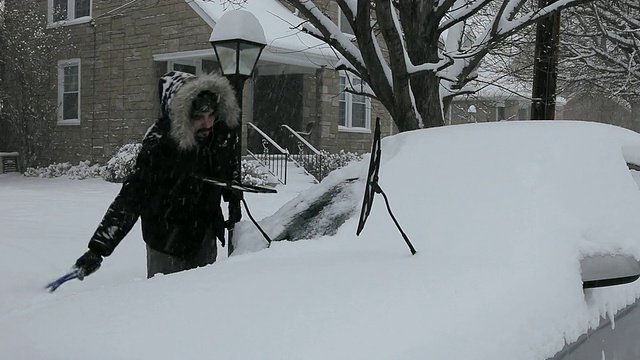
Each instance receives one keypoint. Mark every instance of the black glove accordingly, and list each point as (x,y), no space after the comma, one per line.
(222,241)
(87,264)
(235,212)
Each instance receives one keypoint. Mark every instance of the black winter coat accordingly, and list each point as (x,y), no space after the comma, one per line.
(178,210)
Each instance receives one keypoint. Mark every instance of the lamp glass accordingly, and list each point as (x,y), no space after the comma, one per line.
(227,57)
(249,54)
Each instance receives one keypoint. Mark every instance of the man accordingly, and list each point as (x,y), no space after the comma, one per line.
(181,214)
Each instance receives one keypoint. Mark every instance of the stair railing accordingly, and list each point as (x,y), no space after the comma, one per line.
(274,158)
(307,157)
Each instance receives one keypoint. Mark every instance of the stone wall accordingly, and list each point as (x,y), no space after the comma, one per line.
(119,99)
(116,52)
(334,138)
(323,105)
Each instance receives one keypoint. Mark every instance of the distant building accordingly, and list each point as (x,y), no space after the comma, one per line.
(504,99)
(595,107)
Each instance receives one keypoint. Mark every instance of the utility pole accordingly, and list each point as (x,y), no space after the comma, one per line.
(545,69)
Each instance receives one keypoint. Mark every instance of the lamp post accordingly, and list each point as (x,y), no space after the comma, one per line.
(238,40)
(545,66)
(472,114)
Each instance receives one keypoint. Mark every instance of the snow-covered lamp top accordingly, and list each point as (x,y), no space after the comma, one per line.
(238,25)
(238,40)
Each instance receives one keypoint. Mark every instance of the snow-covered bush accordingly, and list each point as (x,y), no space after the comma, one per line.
(83,170)
(254,174)
(122,163)
(321,166)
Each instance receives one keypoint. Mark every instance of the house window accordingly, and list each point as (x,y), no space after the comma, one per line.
(69,92)
(500,112)
(189,66)
(343,23)
(523,114)
(355,110)
(191,69)
(195,66)
(209,66)
(72,11)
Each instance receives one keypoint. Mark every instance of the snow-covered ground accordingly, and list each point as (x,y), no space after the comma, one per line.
(500,215)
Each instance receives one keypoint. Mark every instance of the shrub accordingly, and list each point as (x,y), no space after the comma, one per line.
(321,166)
(83,170)
(122,163)
(254,174)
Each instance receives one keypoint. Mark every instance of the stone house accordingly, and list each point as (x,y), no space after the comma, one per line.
(504,99)
(599,108)
(107,83)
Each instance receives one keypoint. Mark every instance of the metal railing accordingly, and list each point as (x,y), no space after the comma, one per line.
(304,154)
(273,157)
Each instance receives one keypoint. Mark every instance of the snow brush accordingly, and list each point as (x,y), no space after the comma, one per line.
(73,274)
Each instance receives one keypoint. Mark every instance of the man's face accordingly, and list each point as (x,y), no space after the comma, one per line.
(203,124)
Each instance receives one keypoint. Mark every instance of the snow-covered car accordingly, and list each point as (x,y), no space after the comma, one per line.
(510,222)
(528,227)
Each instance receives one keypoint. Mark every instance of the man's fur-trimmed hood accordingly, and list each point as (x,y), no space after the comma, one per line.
(177,92)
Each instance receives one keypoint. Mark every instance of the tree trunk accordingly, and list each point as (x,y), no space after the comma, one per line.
(423,48)
(426,89)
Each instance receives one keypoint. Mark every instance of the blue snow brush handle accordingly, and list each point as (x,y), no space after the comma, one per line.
(73,274)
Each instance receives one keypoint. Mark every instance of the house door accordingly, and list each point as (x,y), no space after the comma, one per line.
(277,100)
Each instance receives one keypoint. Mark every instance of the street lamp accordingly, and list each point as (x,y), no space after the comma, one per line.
(472,113)
(238,40)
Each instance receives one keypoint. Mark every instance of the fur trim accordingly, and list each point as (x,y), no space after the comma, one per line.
(182,130)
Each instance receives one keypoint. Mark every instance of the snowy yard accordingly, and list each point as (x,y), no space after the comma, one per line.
(500,215)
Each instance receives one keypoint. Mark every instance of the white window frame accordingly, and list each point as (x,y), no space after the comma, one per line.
(71,14)
(348,116)
(61,65)
(340,24)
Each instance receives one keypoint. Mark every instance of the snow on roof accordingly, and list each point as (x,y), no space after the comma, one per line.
(285,43)
(496,82)
(500,87)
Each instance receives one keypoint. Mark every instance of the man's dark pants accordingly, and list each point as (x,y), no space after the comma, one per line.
(160,263)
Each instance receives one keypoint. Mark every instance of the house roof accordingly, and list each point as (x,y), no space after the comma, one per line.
(285,43)
(501,87)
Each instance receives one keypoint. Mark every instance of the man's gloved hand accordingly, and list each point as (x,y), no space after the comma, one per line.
(87,264)
(235,212)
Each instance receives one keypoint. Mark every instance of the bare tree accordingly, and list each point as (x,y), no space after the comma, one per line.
(27,80)
(604,38)
(433,51)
